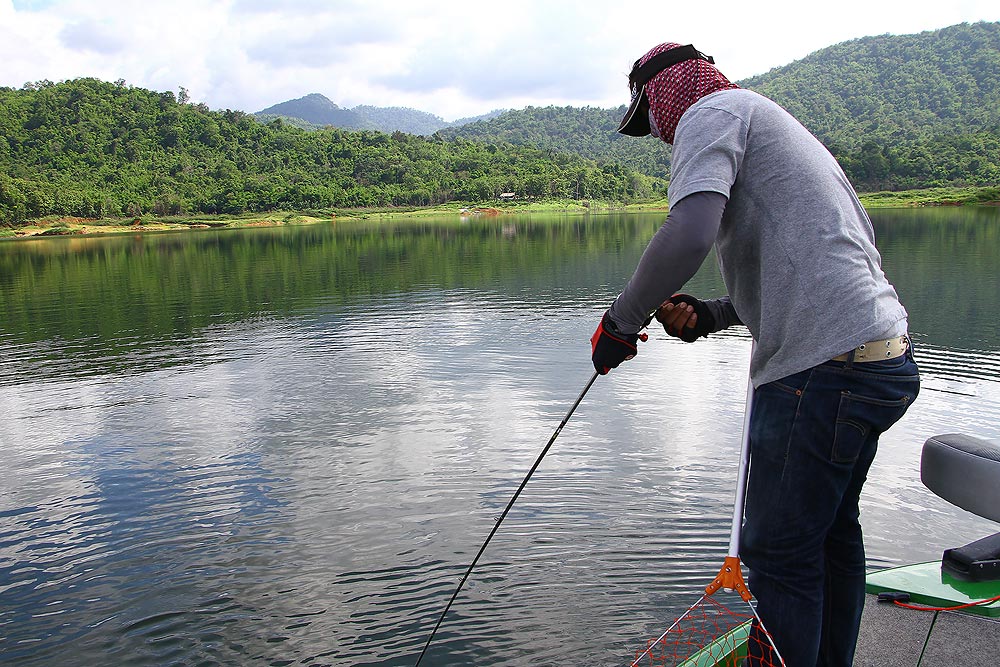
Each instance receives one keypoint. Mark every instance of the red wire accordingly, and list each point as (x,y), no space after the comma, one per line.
(961,606)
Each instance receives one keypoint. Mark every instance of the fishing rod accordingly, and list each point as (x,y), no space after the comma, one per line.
(503,515)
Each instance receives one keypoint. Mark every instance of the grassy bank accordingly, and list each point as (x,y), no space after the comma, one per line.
(61,226)
(932,197)
(56,226)
(64,226)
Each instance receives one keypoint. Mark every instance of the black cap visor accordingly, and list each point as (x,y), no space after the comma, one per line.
(635,123)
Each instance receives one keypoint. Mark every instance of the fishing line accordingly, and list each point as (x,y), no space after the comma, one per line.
(503,515)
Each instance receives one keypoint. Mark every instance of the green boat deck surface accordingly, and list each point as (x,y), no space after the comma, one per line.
(893,636)
(928,585)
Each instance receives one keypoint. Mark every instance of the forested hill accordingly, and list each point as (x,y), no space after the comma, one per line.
(89,148)
(587,131)
(894,88)
(898,111)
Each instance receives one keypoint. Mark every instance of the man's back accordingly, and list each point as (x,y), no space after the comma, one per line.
(795,247)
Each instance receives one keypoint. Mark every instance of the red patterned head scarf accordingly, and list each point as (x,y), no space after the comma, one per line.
(675,89)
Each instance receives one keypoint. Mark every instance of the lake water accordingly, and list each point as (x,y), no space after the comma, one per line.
(284,446)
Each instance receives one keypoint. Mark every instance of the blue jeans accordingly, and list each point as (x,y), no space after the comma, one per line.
(813,437)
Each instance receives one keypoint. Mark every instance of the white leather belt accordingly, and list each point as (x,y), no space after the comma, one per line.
(877,350)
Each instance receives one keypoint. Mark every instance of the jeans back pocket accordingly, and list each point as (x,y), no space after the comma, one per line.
(860,418)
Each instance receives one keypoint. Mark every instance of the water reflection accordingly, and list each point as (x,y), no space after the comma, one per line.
(286,445)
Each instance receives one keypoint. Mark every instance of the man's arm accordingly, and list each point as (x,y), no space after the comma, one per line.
(672,257)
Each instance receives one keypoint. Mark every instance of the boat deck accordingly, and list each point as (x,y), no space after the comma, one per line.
(893,636)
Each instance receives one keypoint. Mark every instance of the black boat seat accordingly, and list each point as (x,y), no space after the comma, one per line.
(965,471)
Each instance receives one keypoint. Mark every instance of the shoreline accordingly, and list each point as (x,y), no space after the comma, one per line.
(73,226)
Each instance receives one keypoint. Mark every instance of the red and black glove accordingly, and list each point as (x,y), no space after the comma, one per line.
(704,325)
(611,347)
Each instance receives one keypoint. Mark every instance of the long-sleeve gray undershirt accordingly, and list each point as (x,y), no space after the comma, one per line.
(672,257)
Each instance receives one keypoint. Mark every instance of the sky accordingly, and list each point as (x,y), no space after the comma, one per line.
(452,58)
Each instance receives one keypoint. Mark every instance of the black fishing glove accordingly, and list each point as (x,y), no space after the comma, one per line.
(611,347)
(704,326)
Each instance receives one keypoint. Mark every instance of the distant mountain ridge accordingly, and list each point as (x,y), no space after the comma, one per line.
(315,111)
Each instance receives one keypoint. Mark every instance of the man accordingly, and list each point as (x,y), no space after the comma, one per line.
(831,368)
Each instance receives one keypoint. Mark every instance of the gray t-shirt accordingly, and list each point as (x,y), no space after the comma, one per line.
(795,246)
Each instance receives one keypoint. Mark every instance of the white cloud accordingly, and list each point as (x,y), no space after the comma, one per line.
(452,58)
(93,36)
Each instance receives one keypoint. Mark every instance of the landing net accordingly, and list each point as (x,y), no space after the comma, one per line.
(710,634)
